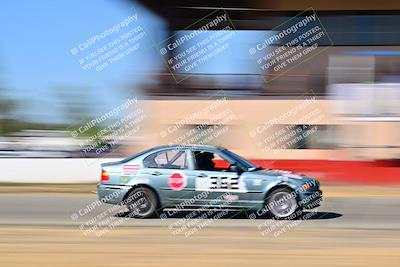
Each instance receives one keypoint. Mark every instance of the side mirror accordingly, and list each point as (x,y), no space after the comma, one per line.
(233,168)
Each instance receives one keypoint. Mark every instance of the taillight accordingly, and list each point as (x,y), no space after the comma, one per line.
(104,176)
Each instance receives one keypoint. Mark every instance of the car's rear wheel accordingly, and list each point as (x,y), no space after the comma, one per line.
(141,202)
(282,204)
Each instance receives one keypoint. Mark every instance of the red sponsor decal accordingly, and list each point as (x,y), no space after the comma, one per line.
(131,169)
(177,181)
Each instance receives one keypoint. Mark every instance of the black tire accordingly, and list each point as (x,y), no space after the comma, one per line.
(282,204)
(142,203)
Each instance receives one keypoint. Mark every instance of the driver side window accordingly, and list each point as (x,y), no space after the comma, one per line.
(209,161)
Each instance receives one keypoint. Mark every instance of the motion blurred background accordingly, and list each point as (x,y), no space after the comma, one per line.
(353,82)
(87,82)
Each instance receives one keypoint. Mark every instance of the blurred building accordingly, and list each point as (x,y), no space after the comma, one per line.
(353,82)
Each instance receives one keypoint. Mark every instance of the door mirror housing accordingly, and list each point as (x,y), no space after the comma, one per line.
(234,168)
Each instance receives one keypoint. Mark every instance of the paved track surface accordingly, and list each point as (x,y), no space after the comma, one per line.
(48,230)
(59,209)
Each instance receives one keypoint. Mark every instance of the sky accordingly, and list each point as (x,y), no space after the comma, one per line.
(35,58)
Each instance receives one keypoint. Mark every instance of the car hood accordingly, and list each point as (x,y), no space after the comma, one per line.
(285,175)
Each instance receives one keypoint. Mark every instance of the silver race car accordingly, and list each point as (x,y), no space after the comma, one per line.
(195,176)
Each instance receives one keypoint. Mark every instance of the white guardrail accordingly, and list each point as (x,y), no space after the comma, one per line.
(51,170)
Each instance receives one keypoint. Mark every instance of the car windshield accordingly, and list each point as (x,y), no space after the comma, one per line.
(240,160)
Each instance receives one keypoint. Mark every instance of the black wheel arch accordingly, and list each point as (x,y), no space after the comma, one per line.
(147,187)
(279,186)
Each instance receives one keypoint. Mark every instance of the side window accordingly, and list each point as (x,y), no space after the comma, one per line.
(208,161)
(220,163)
(161,159)
(177,159)
(167,159)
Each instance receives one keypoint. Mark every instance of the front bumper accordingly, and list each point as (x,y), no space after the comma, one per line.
(112,194)
(310,199)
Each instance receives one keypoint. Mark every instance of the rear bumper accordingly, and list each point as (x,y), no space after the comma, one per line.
(310,200)
(112,194)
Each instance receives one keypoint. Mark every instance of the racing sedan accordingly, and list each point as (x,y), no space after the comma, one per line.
(198,176)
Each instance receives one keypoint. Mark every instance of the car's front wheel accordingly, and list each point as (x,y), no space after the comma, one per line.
(141,203)
(282,204)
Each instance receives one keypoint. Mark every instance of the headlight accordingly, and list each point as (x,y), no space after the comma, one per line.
(306,186)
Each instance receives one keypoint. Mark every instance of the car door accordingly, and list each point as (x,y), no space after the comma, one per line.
(217,184)
(166,170)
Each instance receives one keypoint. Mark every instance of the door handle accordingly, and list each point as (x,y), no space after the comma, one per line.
(201,175)
(156,173)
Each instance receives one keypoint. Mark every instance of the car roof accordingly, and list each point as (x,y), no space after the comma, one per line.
(188,146)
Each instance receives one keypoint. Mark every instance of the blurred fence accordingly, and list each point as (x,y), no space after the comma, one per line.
(55,171)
